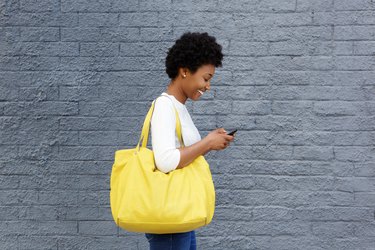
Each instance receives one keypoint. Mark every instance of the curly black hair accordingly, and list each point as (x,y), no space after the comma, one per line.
(192,50)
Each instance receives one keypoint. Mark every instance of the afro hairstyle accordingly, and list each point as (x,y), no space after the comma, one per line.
(192,50)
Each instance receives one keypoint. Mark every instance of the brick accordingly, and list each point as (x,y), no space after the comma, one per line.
(123,6)
(29,213)
(39,6)
(158,5)
(251,108)
(57,197)
(85,153)
(257,6)
(343,48)
(42,228)
(98,19)
(8,92)
(365,229)
(365,198)
(145,48)
(320,5)
(270,6)
(344,108)
(353,32)
(208,18)
(363,48)
(74,93)
(106,242)
(49,49)
(295,62)
(247,48)
(99,49)
(354,5)
(207,5)
(239,6)
(37,242)
(333,229)
(97,228)
(356,62)
(9,34)
(138,19)
(80,34)
(85,6)
(364,168)
(39,93)
(98,138)
(269,228)
(272,33)
(358,184)
(41,19)
(212,107)
(118,34)
(42,108)
(352,153)
(363,17)
(92,123)
(243,20)
(34,63)
(163,34)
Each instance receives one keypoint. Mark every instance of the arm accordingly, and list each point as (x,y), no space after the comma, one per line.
(188,154)
(163,127)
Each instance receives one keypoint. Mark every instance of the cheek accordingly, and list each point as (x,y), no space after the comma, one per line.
(193,91)
(198,84)
(193,85)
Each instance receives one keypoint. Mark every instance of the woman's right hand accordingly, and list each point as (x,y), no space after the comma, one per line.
(218,139)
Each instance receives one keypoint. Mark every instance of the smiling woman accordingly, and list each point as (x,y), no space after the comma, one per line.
(190,64)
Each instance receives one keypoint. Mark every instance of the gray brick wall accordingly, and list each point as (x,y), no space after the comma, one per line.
(77,77)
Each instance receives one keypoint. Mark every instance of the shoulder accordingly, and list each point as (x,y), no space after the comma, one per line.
(163,103)
(163,110)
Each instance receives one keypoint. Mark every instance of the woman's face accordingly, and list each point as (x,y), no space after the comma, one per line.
(200,80)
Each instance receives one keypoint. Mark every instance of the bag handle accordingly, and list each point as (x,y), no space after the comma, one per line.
(146,126)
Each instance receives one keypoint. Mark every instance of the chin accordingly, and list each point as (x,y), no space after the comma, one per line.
(194,98)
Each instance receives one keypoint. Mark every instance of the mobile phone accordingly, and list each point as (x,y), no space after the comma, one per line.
(232,132)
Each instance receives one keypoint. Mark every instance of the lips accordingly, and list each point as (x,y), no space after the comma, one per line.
(200,91)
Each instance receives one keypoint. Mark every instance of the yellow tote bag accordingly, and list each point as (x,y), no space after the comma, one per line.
(144,199)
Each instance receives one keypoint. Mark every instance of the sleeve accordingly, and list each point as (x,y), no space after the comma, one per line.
(163,129)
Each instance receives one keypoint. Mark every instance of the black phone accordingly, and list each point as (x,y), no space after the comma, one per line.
(232,132)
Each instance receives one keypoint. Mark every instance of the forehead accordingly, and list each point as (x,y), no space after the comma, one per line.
(207,69)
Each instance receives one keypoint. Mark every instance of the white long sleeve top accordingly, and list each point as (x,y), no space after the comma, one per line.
(164,137)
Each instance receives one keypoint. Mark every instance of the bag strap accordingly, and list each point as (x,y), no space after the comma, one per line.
(147,122)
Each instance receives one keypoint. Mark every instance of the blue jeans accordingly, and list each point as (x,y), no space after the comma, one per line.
(173,241)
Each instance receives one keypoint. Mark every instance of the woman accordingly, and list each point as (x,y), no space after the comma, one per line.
(190,64)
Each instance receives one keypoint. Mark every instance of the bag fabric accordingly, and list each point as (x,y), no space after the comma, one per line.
(144,199)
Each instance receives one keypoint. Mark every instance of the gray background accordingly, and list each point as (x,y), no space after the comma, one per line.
(77,78)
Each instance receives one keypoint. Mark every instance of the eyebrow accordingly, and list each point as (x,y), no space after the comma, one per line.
(209,74)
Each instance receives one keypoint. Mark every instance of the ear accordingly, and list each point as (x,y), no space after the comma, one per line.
(183,72)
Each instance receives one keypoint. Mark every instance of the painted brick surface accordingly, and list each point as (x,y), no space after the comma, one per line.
(298,82)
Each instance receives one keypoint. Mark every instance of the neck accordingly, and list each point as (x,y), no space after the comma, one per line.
(177,92)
